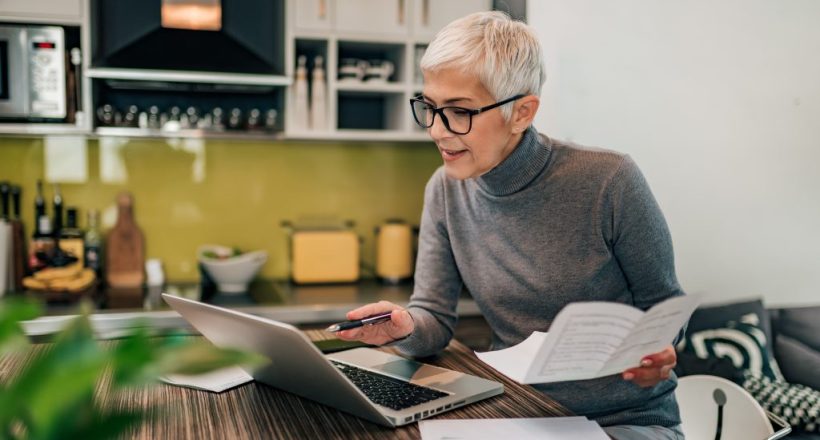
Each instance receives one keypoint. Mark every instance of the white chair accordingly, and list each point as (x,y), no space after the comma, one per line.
(713,408)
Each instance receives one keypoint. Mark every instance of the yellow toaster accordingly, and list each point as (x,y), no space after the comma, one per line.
(324,256)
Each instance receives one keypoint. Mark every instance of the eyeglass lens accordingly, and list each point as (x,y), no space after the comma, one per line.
(455,119)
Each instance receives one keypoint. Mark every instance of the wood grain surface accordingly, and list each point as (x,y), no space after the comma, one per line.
(255,411)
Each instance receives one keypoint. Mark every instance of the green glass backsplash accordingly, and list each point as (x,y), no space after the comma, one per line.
(236,193)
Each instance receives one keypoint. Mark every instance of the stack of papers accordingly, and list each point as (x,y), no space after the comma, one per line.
(548,428)
(593,339)
(215,381)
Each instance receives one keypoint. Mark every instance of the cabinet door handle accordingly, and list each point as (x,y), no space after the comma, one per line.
(401,12)
(322,12)
(425,13)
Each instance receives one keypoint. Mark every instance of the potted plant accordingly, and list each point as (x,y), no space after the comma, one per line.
(55,394)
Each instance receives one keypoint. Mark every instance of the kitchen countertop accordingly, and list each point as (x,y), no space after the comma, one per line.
(118,312)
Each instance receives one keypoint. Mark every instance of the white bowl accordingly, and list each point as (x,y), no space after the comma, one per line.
(233,274)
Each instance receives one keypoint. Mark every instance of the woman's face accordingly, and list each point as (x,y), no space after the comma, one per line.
(491,138)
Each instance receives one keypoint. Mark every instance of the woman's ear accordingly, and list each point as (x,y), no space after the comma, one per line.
(524,112)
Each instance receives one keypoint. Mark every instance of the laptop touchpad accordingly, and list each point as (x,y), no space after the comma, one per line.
(408,369)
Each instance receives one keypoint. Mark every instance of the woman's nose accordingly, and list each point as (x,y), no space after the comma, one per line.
(438,130)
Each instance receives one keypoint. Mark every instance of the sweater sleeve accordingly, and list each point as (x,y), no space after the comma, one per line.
(640,238)
(437,280)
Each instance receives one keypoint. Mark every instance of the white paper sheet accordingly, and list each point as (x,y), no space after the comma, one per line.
(548,428)
(593,339)
(509,360)
(216,381)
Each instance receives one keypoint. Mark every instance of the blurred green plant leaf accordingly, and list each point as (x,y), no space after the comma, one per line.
(12,311)
(53,395)
(62,378)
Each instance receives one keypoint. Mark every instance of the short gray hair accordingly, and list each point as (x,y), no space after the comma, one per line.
(504,53)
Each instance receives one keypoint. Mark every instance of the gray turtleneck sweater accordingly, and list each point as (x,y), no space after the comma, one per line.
(552,224)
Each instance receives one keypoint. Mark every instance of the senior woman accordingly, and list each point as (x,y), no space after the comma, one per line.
(528,224)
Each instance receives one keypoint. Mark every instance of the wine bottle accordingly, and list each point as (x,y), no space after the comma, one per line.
(58,211)
(39,208)
(71,237)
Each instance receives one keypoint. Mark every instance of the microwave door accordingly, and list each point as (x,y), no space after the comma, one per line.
(14,81)
(45,55)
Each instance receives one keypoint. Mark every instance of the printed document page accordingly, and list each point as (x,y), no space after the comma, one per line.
(546,428)
(593,339)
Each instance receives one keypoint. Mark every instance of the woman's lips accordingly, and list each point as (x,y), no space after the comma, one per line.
(450,155)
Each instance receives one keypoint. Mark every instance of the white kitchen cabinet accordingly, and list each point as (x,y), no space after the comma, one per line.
(62,11)
(429,16)
(372,17)
(313,15)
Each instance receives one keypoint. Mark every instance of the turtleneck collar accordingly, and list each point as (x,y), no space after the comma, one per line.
(519,168)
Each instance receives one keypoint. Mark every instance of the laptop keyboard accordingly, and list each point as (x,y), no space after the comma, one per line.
(387,391)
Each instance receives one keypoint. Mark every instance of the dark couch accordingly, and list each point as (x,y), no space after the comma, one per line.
(792,337)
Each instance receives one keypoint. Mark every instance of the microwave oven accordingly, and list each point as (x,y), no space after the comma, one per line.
(32,72)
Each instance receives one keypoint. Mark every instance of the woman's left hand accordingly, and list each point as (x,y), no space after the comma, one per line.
(654,368)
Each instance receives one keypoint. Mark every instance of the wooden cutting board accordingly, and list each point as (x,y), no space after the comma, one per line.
(125,248)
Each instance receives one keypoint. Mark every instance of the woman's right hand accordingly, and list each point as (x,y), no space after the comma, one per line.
(399,326)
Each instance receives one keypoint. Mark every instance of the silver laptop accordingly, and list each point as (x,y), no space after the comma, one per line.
(398,391)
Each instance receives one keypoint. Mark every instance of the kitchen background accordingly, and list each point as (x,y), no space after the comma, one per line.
(189,192)
(220,133)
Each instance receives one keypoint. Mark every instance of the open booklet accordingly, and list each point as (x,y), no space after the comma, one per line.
(593,339)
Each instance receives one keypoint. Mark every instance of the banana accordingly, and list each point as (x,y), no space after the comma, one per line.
(34,284)
(55,273)
(82,282)
(75,281)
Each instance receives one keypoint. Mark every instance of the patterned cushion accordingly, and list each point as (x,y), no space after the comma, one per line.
(716,316)
(797,404)
(743,342)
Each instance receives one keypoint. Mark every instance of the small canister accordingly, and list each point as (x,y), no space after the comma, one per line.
(394,251)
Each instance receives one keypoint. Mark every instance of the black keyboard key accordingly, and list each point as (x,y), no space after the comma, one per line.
(387,391)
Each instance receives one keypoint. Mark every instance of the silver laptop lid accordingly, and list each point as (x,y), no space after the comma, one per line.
(295,364)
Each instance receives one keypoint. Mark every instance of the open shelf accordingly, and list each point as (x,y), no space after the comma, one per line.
(373,54)
(191,77)
(360,110)
(176,107)
(362,135)
(369,86)
(188,133)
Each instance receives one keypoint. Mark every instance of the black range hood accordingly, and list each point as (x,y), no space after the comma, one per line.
(248,37)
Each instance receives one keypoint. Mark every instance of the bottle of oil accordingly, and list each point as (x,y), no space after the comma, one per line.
(92,243)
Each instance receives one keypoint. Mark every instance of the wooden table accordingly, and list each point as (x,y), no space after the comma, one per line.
(256,411)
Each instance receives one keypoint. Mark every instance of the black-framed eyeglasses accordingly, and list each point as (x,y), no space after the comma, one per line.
(457,120)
